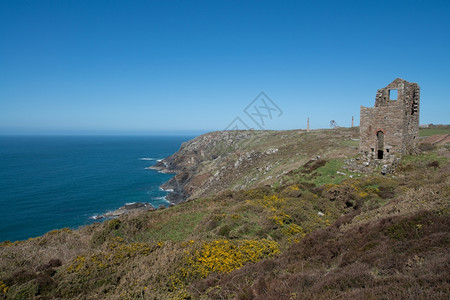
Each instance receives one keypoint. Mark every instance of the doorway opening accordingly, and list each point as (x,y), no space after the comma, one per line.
(380,144)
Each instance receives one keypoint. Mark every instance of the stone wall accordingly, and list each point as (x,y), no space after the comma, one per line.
(392,126)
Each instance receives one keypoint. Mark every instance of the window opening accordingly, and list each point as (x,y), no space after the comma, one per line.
(393,95)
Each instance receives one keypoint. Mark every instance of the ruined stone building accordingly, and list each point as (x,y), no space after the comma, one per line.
(392,126)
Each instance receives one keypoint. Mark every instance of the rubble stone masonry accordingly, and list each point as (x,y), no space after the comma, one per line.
(392,126)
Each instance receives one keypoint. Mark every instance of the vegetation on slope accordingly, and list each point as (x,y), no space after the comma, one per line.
(312,234)
(238,160)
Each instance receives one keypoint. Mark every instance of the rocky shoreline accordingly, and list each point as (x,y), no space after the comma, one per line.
(127,208)
(176,194)
(174,187)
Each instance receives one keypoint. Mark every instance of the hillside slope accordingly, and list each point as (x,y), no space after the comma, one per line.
(243,159)
(305,228)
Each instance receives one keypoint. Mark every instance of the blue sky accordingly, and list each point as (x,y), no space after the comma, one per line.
(194,66)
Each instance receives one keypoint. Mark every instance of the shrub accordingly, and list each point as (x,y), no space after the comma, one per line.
(113,224)
(224,230)
(117,251)
(24,292)
(433,164)
(3,288)
(110,230)
(223,256)
(22,276)
(353,276)
(426,147)
(386,192)
(53,263)
(313,165)
(48,269)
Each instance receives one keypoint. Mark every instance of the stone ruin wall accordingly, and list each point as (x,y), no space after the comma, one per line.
(397,119)
(383,119)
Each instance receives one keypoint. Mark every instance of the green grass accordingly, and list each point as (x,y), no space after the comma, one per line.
(350,143)
(424,158)
(177,228)
(328,173)
(433,131)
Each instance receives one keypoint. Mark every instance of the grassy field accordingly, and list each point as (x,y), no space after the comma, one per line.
(444,129)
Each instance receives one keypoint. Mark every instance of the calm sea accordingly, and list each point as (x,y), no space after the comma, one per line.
(51,182)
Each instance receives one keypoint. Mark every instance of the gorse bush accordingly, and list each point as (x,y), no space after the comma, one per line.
(224,256)
(3,288)
(115,253)
(274,205)
(216,257)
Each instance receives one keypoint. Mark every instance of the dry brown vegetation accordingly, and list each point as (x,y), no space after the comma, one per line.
(311,235)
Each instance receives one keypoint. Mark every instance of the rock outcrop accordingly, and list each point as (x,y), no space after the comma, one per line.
(200,161)
(127,208)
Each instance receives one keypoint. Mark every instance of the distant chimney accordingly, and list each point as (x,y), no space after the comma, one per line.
(307,125)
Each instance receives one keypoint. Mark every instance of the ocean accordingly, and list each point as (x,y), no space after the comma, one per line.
(52,182)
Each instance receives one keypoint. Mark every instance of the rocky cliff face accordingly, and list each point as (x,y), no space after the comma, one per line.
(234,160)
(201,160)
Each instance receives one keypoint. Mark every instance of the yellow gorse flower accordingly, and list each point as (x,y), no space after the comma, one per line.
(224,256)
(3,288)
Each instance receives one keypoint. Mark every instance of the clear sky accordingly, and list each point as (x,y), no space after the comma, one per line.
(74,66)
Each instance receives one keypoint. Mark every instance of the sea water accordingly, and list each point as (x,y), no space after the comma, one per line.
(52,182)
